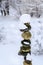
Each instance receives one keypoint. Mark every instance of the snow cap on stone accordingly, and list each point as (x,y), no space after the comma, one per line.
(25,18)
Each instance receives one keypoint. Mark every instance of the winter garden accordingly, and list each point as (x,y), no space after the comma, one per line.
(12,19)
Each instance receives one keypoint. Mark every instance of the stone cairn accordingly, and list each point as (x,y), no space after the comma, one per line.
(26,44)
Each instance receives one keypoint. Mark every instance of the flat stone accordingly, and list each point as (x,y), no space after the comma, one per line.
(27,62)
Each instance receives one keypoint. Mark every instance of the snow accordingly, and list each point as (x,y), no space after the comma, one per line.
(11,40)
(25,18)
(9,46)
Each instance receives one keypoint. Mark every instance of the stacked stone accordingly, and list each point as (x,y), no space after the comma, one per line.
(26,44)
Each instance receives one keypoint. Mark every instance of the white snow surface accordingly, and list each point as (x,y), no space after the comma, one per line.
(11,40)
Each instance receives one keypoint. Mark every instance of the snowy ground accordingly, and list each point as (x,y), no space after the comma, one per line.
(10,43)
(10,40)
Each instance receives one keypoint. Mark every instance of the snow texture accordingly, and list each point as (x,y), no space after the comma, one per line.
(10,39)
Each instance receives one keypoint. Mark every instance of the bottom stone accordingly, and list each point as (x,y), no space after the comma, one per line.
(27,62)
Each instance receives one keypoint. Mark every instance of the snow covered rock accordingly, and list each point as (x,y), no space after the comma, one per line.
(25,18)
